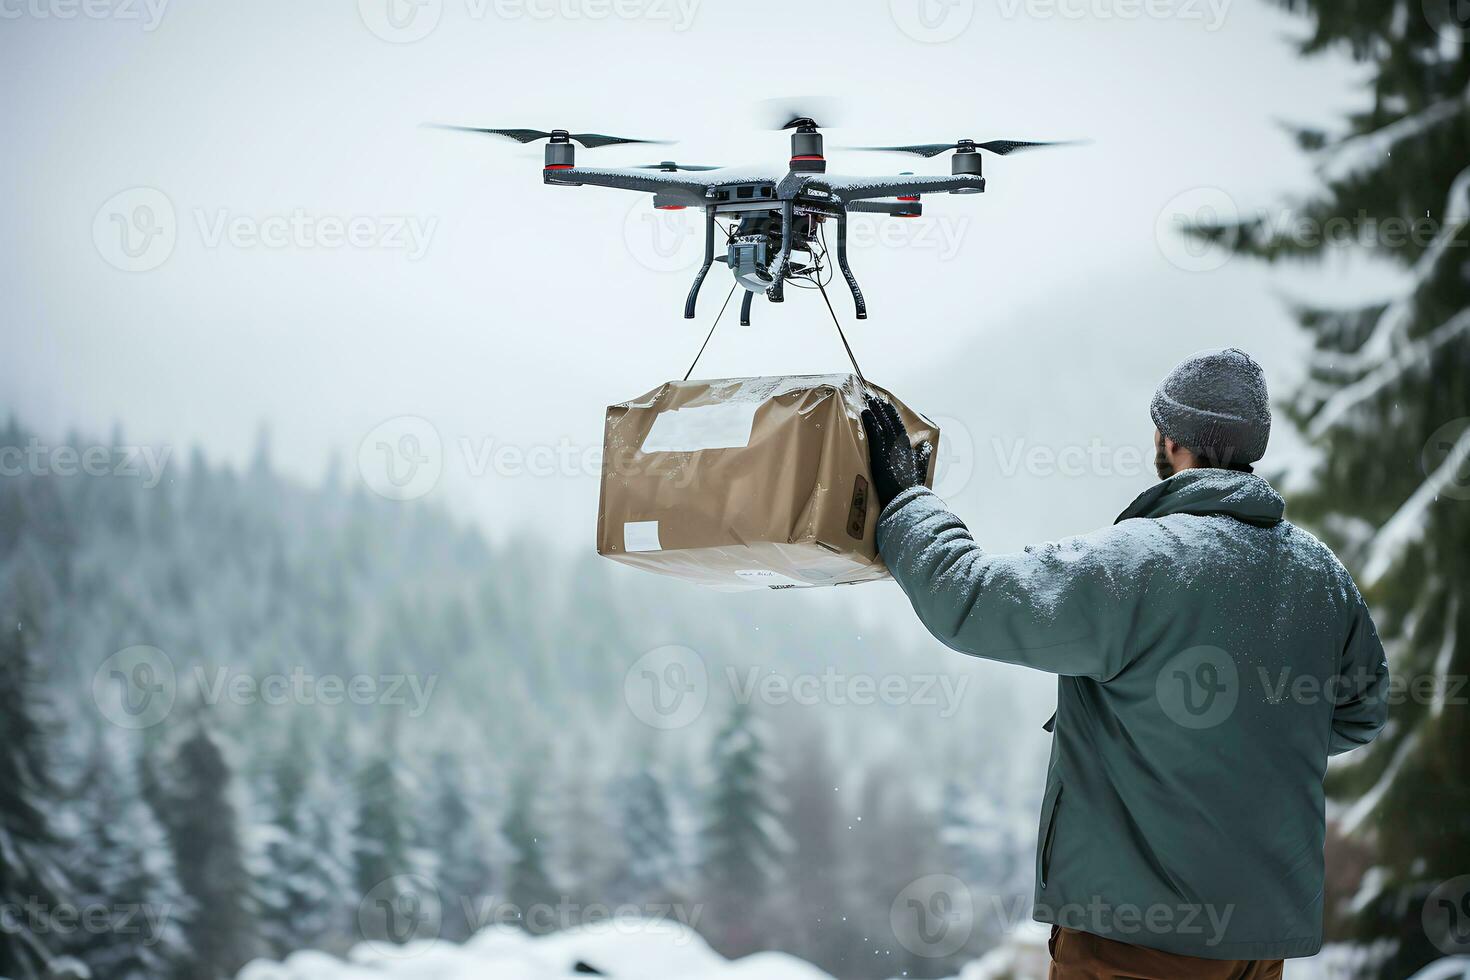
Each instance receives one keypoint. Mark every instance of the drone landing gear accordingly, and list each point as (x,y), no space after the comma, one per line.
(852,283)
(745,308)
(782,265)
(709,260)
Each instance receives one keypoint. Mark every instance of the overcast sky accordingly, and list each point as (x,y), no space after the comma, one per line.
(154,155)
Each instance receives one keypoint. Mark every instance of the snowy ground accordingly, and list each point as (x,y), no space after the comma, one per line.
(653,951)
(624,948)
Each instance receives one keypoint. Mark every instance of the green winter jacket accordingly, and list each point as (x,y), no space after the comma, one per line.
(1211,657)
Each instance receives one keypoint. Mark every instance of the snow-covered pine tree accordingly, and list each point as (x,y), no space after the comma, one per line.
(587,847)
(1385,406)
(899,838)
(300,893)
(122,862)
(819,927)
(649,871)
(338,784)
(467,848)
(383,837)
(743,841)
(32,884)
(203,827)
(983,846)
(528,886)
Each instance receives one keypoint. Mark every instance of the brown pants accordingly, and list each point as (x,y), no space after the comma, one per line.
(1083,956)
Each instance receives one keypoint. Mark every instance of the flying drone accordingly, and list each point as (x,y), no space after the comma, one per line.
(776,230)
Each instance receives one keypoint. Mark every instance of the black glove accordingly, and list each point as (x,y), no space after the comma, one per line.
(894,462)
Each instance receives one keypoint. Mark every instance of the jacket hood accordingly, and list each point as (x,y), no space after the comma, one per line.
(1203,491)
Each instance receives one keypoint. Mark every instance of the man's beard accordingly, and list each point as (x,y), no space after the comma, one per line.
(1162,466)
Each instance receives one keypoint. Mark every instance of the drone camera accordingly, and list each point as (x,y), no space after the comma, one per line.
(749,258)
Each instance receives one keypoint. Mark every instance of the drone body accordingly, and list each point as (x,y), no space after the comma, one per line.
(777,222)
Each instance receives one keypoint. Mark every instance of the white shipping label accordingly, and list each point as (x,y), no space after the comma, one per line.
(766,577)
(641,536)
(687,430)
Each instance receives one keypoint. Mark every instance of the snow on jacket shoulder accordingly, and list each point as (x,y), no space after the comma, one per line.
(1212,656)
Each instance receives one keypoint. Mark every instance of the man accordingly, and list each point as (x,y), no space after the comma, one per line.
(1211,656)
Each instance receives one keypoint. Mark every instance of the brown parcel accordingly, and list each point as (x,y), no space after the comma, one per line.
(746,483)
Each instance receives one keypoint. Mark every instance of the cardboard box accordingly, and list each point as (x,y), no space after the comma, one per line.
(746,483)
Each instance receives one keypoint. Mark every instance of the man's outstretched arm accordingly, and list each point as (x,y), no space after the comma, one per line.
(1062,607)
(1054,606)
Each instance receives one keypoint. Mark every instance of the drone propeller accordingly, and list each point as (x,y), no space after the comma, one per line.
(998,147)
(801,115)
(669,166)
(591,141)
(801,112)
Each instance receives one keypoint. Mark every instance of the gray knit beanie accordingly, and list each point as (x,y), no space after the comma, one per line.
(1215,404)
